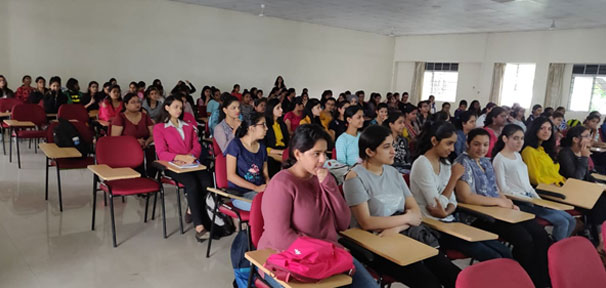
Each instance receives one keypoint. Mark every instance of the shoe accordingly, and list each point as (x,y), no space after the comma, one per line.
(202,235)
(187,218)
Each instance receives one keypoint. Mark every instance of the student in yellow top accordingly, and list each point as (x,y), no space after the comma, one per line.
(326,115)
(277,137)
(311,112)
(540,155)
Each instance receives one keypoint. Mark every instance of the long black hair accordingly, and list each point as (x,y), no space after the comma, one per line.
(496,111)
(165,117)
(226,100)
(249,120)
(464,117)
(573,132)
(440,130)
(351,111)
(269,111)
(531,139)
(303,139)
(392,117)
(127,98)
(308,113)
(508,131)
(371,138)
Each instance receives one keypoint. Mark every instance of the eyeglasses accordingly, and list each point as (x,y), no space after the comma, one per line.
(264,124)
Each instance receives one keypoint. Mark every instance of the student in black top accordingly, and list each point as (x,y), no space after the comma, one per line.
(73,91)
(38,94)
(54,98)
(93,97)
(275,143)
(338,125)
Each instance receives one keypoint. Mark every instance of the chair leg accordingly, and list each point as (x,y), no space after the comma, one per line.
(18,153)
(179,208)
(10,145)
(146,207)
(104,199)
(163,212)
(212,225)
(59,187)
(154,206)
(92,227)
(123,199)
(46,180)
(250,276)
(111,208)
(3,145)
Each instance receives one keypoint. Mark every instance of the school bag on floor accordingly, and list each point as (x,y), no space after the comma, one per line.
(241,266)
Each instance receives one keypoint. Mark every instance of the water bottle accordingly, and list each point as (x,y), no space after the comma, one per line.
(76,140)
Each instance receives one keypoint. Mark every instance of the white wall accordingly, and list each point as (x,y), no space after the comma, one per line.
(147,39)
(477,54)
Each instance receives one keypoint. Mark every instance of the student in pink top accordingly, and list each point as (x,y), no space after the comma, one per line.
(305,200)
(112,105)
(294,117)
(177,141)
(494,123)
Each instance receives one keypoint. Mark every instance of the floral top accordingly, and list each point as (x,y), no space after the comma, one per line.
(480,176)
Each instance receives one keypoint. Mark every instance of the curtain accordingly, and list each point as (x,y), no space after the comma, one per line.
(555,79)
(416,90)
(497,83)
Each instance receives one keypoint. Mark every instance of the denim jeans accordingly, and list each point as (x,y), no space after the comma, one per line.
(243,205)
(360,279)
(482,250)
(563,223)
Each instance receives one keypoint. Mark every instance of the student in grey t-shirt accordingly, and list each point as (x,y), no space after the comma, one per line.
(380,201)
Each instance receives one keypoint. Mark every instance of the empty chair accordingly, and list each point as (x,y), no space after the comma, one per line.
(33,113)
(574,263)
(496,273)
(73,112)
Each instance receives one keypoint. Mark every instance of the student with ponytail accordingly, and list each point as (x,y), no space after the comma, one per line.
(512,179)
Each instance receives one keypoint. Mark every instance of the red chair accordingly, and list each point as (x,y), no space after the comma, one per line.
(334,153)
(27,112)
(496,273)
(6,105)
(86,135)
(118,152)
(255,229)
(73,112)
(223,205)
(574,262)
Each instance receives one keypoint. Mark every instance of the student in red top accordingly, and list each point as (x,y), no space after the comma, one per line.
(177,141)
(111,106)
(132,122)
(236,92)
(294,117)
(494,123)
(23,92)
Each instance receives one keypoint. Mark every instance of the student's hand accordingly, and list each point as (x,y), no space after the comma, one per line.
(187,159)
(505,203)
(585,150)
(437,210)
(141,142)
(515,207)
(260,188)
(321,174)
(413,219)
(393,231)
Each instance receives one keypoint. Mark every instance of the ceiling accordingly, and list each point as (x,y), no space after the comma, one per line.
(421,17)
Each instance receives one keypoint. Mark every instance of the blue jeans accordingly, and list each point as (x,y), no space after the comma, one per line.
(360,279)
(563,223)
(242,205)
(482,250)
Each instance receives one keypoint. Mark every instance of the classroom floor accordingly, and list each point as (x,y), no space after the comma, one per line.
(42,247)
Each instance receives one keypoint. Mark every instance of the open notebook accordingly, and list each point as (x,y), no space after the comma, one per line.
(185,166)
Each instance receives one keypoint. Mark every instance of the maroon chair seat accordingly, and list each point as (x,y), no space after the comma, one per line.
(73,163)
(27,112)
(574,262)
(230,211)
(30,133)
(543,222)
(169,181)
(131,186)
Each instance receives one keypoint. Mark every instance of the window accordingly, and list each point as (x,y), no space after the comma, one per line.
(588,88)
(518,80)
(440,80)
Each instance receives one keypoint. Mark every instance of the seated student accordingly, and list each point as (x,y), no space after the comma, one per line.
(132,122)
(346,145)
(112,105)
(433,188)
(338,125)
(229,117)
(5,92)
(462,108)
(464,124)
(177,141)
(536,111)
(311,112)
(92,97)
(403,158)
(37,95)
(152,103)
(276,139)
(328,109)
(246,159)
(24,90)
(246,106)
(574,163)
(293,118)
(478,186)
(73,91)
(213,110)
(411,129)
(512,178)
(381,115)
(591,122)
(305,200)
(260,105)
(540,155)
(54,98)
(494,123)
(380,201)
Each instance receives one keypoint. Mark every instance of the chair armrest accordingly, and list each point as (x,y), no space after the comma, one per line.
(551,193)
(359,252)
(227,194)
(159,166)
(107,173)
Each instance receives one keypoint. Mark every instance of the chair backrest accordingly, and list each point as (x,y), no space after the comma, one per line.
(73,112)
(119,151)
(334,153)
(7,104)
(256,221)
(496,273)
(220,166)
(407,179)
(574,262)
(29,112)
(285,154)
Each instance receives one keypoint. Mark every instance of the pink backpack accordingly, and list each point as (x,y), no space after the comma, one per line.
(310,260)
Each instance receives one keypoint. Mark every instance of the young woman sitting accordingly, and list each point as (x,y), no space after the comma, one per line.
(338,125)
(152,103)
(311,112)
(512,179)
(411,130)
(539,153)
(478,186)
(305,200)
(229,121)
(347,144)
(294,117)
(380,201)
(246,159)
(276,139)
(381,115)
(464,124)
(132,122)
(53,99)
(111,106)
(177,141)
(403,158)
(433,188)
(494,123)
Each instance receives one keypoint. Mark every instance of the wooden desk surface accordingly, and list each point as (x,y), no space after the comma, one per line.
(5,114)
(541,202)
(397,248)
(499,213)
(597,149)
(93,113)
(460,230)
(107,173)
(578,193)
(52,151)
(51,115)
(228,195)
(180,170)
(22,124)
(599,176)
(258,258)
